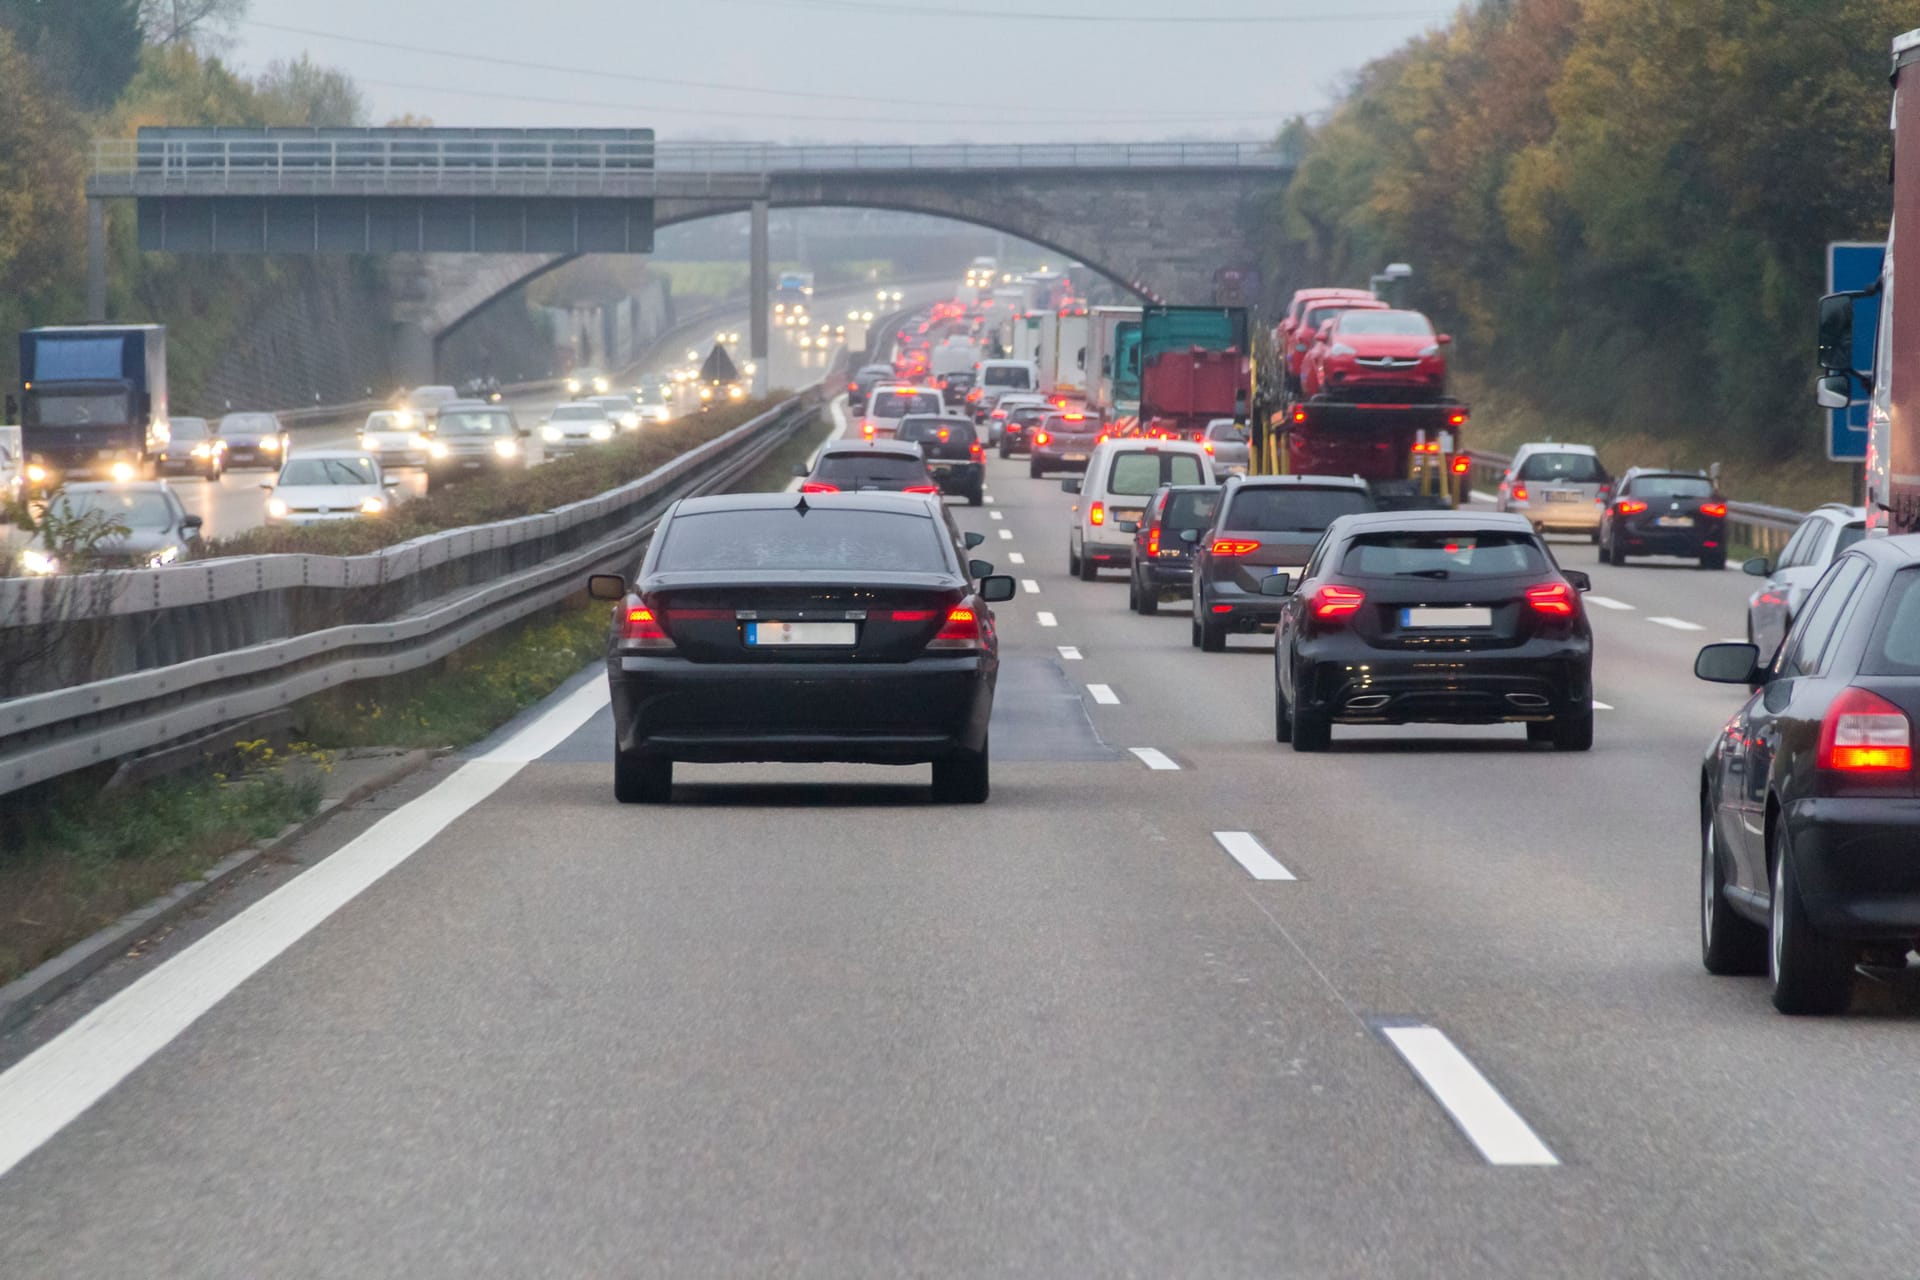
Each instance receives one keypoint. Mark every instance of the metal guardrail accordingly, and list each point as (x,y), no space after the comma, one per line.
(294,161)
(1754,524)
(434,595)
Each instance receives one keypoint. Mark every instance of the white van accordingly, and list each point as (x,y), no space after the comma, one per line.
(998,377)
(1121,476)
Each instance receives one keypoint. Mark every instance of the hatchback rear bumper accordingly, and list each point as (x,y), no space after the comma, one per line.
(1854,859)
(1357,684)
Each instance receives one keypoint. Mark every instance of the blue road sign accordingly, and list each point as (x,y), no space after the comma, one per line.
(1854,264)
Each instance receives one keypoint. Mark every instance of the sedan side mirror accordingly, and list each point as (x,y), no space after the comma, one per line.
(1729,664)
(192,522)
(980,569)
(800,471)
(974,539)
(1577,579)
(998,589)
(1071,485)
(1277,584)
(1758,567)
(607,586)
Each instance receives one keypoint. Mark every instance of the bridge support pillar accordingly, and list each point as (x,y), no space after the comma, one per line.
(413,362)
(758,301)
(96,260)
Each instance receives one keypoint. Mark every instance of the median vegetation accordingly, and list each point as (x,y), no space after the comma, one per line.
(1619,207)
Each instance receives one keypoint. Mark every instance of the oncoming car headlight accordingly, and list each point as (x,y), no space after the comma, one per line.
(706,393)
(372,506)
(600,431)
(506,448)
(573,386)
(270,444)
(276,509)
(436,449)
(600,385)
(121,471)
(736,393)
(551,434)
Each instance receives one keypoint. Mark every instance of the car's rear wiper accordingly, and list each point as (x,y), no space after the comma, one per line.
(1438,574)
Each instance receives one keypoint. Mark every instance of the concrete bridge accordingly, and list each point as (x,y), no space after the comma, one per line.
(1157,218)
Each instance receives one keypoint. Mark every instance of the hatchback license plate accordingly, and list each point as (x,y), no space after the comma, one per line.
(1430,618)
(773,634)
(1073,457)
(1675,522)
(1563,495)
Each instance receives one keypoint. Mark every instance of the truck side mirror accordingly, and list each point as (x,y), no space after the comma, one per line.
(1836,333)
(1835,391)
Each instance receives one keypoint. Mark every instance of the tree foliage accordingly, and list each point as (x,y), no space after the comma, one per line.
(205,24)
(85,50)
(1622,206)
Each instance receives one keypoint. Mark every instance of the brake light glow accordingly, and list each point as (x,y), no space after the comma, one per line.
(1462,464)
(1458,418)
(921,488)
(1041,437)
(1234,546)
(1335,601)
(1520,493)
(915,615)
(1209,446)
(1630,507)
(960,631)
(1553,598)
(1713,508)
(818,486)
(977,451)
(1299,416)
(1153,540)
(1098,513)
(1864,733)
(642,630)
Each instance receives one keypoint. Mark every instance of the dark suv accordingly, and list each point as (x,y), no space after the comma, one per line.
(1263,524)
(953,453)
(1809,801)
(471,438)
(1665,513)
(1176,518)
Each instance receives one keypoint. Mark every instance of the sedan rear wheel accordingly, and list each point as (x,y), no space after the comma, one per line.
(1573,732)
(962,778)
(1729,943)
(642,779)
(1282,717)
(1619,553)
(1312,730)
(1811,973)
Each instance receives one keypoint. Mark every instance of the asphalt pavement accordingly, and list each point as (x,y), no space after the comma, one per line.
(1176,1001)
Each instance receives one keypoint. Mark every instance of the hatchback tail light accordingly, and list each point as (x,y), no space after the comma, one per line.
(818,486)
(1520,493)
(1041,437)
(961,630)
(1234,546)
(1713,508)
(1335,601)
(1552,598)
(1863,733)
(921,488)
(1630,507)
(642,630)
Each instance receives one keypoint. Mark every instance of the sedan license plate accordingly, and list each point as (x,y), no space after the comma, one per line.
(774,634)
(1675,522)
(1434,618)
(1073,457)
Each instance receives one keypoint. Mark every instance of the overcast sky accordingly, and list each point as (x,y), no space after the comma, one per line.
(847,70)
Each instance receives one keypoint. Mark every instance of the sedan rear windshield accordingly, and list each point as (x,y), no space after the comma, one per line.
(1443,554)
(1232,431)
(1400,324)
(1294,509)
(1672,487)
(824,539)
(1005,377)
(928,430)
(898,404)
(1138,474)
(1571,468)
(1320,315)
(850,471)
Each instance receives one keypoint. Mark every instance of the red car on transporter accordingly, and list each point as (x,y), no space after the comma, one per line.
(1377,355)
(1308,310)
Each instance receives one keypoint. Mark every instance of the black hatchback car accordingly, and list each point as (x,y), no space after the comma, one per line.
(1432,617)
(1264,524)
(800,627)
(953,453)
(1665,513)
(1176,518)
(854,466)
(1809,801)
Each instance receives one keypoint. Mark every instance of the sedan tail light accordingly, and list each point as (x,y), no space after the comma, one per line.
(1863,733)
(1335,601)
(1630,507)
(818,486)
(1235,547)
(960,631)
(1713,508)
(1552,598)
(921,488)
(642,630)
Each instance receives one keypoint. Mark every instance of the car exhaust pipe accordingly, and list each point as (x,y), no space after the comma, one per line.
(1367,702)
(1528,701)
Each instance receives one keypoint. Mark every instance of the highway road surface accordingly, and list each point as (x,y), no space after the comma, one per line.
(236,502)
(1175,1002)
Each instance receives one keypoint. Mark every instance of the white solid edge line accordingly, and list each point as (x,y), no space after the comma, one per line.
(1678,624)
(1016,558)
(1030,586)
(1153,758)
(45,1091)
(1046,619)
(1600,706)
(1104,695)
(1069,653)
(1476,1106)
(1252,855)
(1006,535)
(1607,602)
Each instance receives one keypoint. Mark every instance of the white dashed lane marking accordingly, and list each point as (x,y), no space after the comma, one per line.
(1069,653)
(1104,695)
(1600,706)
(1006,535)
(1154,759)
(1678,624)
(1252,855)
(1607,602)
(1031,587)
(1483,1115)
(1046,619)
(1015,557)
(993,515)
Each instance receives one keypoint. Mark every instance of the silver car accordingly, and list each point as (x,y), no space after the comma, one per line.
(395,436)
(1821,537)
(1561,488)
(1226,440)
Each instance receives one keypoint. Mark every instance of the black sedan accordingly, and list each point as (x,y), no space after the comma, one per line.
(798,627)
(1665,513)
(1809,803)
(1432,617)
